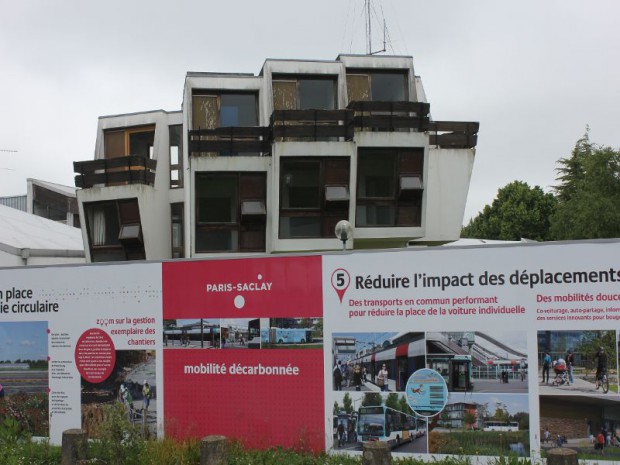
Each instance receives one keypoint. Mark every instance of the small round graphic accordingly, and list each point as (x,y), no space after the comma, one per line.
(340,282)
(426,392)
(95,355)
(239,301)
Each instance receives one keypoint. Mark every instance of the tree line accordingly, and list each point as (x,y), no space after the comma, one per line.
(585,204)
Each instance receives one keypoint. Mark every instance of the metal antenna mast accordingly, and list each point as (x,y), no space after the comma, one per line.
(367,5)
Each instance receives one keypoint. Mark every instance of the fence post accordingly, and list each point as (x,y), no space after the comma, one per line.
(213,450)
(376,453)
(74,446)
(562,456)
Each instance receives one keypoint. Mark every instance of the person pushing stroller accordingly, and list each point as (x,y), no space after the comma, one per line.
(561,372)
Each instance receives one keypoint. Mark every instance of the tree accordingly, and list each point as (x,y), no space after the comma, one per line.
(372,399)
(518,211)
(336,409)
(392,401)
(469,419)
(588,193)
(347,403)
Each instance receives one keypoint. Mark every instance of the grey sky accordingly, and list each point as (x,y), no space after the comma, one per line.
(533,73)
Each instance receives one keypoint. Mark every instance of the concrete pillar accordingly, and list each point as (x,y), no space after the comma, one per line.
(213,450)
(376,453)
(74,446)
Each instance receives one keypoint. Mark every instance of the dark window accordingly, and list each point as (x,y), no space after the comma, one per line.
(230,212)
(378,86)
(304,93)
(316,94)
(314,196)
(114,230)
(129,141)
(389,187)
(214,110)
(177,237)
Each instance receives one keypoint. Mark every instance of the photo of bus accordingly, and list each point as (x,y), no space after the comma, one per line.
(381,423)
(501,426)
(286,335)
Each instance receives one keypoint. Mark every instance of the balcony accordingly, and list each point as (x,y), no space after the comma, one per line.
(390,116)
(230,141)
(453,134)
(132,169)
(311,125)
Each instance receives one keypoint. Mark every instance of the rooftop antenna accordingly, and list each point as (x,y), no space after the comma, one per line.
(367,8)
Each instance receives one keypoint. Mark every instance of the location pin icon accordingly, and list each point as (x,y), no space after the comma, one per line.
(340,282)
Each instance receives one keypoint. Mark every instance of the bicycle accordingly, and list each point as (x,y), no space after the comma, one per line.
(602,380)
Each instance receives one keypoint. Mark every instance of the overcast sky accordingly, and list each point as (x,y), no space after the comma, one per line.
(534,73)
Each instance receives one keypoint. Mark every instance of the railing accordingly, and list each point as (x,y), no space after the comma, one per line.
(314,125)
(453,134)
(390,116)
(132,169)
(231,140)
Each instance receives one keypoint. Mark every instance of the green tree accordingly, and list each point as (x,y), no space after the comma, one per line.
(588,192)
(392,401)
(469,419)
(518,211)
(336,409)
(347,403)
(372,399)
(404,405)
(523,418)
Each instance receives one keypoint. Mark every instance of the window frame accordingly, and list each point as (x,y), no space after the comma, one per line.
(404,203)
(328,212)
(246,226)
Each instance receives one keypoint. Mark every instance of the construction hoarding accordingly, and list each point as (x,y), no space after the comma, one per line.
(482,351)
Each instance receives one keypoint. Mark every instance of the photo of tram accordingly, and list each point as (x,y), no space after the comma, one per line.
(376,361)
(479,362)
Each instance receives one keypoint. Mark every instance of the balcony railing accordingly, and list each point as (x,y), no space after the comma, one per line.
(230,140)
(390,116)
(311,125)
(132,169)
(453,134)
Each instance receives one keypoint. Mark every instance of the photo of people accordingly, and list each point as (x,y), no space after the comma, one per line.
(235,333)
(130,389)
(374,416)
(482,424)
(578,362)
(194,333)
(24,375)
(375,362)
(588,425)
(479,362)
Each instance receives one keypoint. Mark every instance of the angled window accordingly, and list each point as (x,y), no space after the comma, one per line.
(314,195)
(230,211)
(114,230)
(389,187)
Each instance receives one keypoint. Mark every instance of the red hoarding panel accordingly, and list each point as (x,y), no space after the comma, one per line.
(263,397)
(277,287)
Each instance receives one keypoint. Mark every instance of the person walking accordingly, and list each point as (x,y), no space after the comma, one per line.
(546,361)
(382,378)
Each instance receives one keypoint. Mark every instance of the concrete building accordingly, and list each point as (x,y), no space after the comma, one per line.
(270,163)
(27,239)
(48,200)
